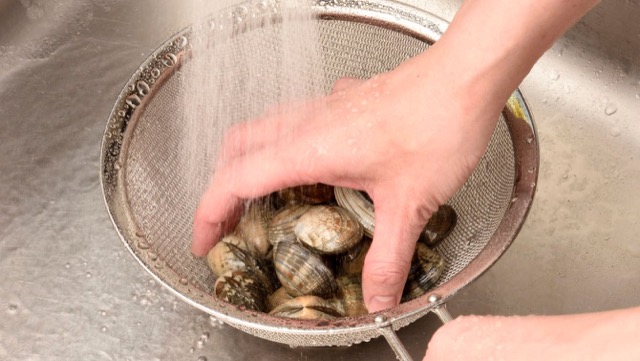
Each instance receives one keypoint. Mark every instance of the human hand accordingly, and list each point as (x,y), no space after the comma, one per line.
(409,138)
(601,336)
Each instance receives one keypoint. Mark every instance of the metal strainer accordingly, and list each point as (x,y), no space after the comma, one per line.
(152,209)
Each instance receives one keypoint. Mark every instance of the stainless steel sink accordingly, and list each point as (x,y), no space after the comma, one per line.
(70,290)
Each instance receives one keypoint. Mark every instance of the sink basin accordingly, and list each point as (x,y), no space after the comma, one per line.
(70,290)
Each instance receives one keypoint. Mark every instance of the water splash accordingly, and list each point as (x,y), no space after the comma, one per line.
(610,109)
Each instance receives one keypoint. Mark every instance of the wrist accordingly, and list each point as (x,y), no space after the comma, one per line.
(491,45)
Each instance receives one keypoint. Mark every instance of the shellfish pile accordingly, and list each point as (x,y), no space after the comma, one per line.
(299,253)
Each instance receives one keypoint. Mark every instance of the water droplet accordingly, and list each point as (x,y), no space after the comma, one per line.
(13,308)
(514,199)
(554,75)
(143,88)
(104,329)
(67,265)
(199,344)
(169,60)
(138,323)
(615,132)
(133,101)
(638,96)
(184,281)
(531,170)
(161,308)
(610,109)
(155,72)
(181,42)
(102,313)
(192,350)
(202,358)
(88,275)
(205,336)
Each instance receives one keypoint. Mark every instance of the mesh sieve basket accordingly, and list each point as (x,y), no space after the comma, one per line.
(152,209)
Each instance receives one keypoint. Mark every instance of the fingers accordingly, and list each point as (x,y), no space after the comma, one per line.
(388,261)
(277,124)
(343,84)
(254,175)
(250,136)
(263,156)
(213,219)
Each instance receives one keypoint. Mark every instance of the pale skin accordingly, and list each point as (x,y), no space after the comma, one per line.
(441,105)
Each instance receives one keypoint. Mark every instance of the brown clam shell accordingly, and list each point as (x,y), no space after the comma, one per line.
(253,226)
(352,261)
(278,297)
(308,194)
(301,271)
(440,225)
(241,289)
(426,268)
(350,300)
(307,308)
(328,229)
(232,254)
(281,227)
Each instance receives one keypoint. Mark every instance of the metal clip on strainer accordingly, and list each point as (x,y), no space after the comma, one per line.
(143,180)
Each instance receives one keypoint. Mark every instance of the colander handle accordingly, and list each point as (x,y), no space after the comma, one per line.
(386,329)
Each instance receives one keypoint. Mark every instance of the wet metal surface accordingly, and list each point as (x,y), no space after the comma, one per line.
(70,290)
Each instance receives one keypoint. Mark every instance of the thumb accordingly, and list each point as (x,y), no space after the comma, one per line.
(387,264)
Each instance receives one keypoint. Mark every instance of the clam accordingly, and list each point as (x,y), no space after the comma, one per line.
(350,301)
(301,271)
(440,225)
(352,262)
(360,205)
(233,254)
(228,255)
(328,229)
(278,297)
(252,227)
(282,224)
(307,194)
(426,268)
(307,308)
(241,289)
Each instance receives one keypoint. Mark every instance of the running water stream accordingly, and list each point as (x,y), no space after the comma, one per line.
(231,80)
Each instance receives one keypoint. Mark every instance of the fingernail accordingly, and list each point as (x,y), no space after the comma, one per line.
(379,303)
